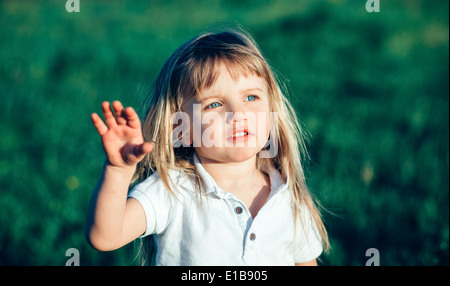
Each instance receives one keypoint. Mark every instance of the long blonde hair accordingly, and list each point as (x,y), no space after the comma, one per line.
(194,67)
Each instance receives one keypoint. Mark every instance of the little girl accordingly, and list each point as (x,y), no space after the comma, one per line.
(221,185)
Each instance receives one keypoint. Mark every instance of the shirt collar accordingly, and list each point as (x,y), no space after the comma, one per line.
(276,181)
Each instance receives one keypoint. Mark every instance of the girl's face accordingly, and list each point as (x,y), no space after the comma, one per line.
(230,121)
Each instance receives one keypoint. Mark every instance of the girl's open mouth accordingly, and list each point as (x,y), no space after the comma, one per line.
(240,136)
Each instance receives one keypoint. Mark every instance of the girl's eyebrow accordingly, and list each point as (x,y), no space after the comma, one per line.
(209,97)
(251,90)
(245,91)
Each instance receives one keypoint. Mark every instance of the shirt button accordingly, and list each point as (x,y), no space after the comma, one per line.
(238,210)
(252,236)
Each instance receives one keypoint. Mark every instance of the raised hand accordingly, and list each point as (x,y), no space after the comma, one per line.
(121,135)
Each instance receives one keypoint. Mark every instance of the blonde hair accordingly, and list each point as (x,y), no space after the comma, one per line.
(194,67)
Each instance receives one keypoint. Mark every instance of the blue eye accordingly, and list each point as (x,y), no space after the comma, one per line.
(213,105)
(250,98)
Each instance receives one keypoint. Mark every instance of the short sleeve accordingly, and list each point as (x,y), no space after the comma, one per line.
(156,202)
(308,240)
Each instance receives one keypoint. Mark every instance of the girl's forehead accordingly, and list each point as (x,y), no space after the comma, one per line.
(226,83)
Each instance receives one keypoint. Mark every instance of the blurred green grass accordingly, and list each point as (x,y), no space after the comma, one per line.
(371,88)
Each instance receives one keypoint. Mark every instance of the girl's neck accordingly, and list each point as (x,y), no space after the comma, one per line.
(231,175)
(242,179)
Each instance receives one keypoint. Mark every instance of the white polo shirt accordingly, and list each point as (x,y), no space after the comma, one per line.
(221,230)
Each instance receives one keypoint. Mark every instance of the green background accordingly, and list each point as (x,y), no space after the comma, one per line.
(371,89)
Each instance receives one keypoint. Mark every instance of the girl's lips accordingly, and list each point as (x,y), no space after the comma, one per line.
(240,135)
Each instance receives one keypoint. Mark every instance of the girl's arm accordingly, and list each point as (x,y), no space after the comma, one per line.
(112,220)
(309,263)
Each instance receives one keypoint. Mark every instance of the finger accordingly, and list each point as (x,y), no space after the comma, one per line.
(109,116)
(143,149)
(120,113)
(132,118)
(99,124)
(147,147)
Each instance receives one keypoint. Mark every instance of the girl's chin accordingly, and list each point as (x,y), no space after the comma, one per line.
(231,154)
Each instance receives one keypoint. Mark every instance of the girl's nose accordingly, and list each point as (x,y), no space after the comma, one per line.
(235,117)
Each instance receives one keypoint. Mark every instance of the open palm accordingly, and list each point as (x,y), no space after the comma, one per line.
(121,135)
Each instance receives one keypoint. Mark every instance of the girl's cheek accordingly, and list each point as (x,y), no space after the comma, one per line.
(263,128)
(212,130)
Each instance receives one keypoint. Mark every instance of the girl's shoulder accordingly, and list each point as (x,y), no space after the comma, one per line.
(178,180)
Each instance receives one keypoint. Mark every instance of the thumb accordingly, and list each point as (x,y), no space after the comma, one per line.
(143,149)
